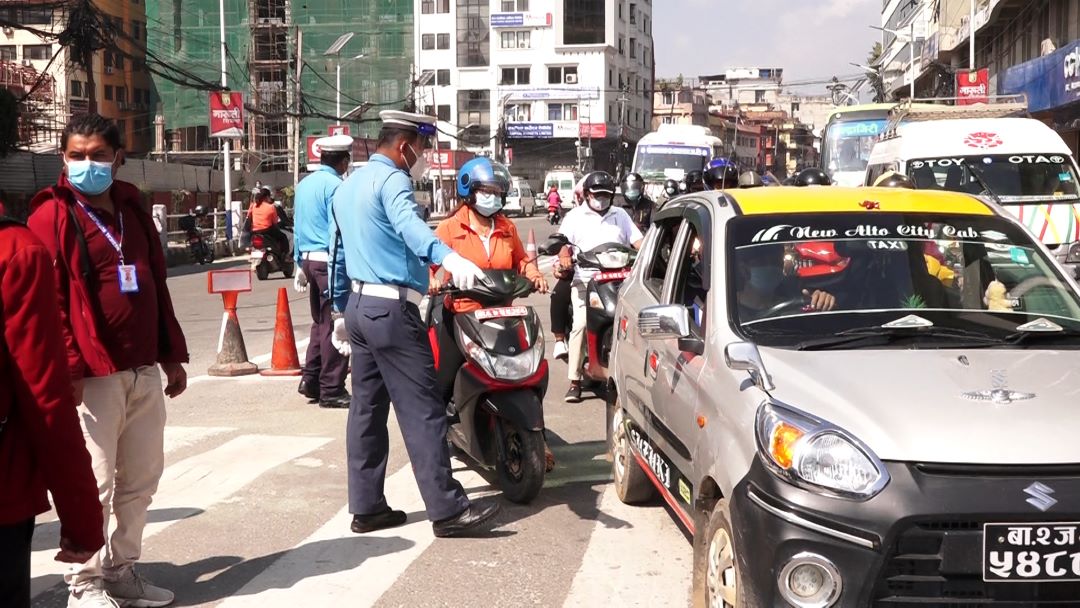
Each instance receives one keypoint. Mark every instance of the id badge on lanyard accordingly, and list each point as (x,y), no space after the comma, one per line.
(127,277)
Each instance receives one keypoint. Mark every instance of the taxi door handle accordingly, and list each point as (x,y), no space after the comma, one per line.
(652,363)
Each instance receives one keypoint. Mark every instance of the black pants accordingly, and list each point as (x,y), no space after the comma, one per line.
(324,366)
(450,356)
(15,564)
(561,317)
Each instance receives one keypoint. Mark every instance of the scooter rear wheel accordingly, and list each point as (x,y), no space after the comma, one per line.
(521,470)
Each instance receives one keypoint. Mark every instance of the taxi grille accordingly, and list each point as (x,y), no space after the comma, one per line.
(939,563)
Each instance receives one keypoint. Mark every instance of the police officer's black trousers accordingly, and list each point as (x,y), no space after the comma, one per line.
(324,366)
(392,361)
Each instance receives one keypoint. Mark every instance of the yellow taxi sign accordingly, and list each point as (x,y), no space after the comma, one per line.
(829,199)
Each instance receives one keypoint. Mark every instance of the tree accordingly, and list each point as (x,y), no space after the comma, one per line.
(877,81)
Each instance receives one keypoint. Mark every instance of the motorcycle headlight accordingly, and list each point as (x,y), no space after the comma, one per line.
(610,260)
(594,300)
(505,367)
(817,455)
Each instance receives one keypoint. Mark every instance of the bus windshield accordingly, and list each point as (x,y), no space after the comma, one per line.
(656,162)
(847,147)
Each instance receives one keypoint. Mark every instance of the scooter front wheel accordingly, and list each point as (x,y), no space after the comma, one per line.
(521,469)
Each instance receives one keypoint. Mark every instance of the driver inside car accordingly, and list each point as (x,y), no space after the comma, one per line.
(762,285)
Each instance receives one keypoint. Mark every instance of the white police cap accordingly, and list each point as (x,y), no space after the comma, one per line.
(334,143)
(412,121)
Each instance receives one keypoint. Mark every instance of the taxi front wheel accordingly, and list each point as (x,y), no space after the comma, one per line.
(631,483)
(716,575)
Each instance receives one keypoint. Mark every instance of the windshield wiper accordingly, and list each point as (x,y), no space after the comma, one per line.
(901,329)
(978,175)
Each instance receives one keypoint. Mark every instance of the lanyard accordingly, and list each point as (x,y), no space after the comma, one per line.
(117,245)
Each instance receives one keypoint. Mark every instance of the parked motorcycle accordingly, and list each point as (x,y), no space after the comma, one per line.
(199,247)
(498,395)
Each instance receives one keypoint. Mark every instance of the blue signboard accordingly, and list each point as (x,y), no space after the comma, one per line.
(530,130)
(1049,82)
(507,19)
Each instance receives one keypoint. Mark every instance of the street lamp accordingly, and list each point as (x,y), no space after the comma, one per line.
(910,38)
(335,51)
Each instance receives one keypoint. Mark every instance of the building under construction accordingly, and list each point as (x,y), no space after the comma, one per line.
(269,42)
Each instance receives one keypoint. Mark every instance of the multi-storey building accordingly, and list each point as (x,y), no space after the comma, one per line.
(538,83)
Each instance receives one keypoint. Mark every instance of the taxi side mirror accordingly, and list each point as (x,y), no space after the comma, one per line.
(744,356)
(664,322)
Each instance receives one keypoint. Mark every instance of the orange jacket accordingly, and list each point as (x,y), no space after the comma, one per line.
(507,252)
(263,216)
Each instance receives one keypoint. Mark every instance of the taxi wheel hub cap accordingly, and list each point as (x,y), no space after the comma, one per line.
(621,447)
(721,581)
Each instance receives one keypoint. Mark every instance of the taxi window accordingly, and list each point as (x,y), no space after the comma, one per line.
(690,281)
(660,258)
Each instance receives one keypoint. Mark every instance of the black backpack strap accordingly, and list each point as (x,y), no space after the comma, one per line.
(87,273)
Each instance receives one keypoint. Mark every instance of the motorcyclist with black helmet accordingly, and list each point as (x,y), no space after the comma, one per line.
(637,204)
(812,176)
(721,174)
(695,181)
(892,179)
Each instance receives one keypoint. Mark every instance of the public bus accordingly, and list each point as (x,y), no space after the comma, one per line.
(849,136)
(672,151)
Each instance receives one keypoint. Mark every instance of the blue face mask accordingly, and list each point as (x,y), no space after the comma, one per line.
(765,279)
(90,177)
(487,204)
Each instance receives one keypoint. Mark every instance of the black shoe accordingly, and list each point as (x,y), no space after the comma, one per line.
(467,522)
(378,521)
(574,394)
(335,402)
(309,391)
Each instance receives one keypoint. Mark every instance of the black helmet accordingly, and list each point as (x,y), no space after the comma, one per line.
(749,179)
(601,185)
(695,181)
(671,187)
(632,186)
(892,179)
(812,177)
(721,177)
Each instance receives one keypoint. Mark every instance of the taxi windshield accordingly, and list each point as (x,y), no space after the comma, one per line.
(1010,177)
(796,276)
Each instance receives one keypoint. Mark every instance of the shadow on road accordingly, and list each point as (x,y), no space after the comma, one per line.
(188,269)
(47,535)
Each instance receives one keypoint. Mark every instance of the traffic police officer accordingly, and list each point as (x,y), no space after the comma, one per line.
(387,251)
(323,378)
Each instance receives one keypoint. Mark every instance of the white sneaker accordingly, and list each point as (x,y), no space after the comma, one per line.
(561,351)
(91,597)
(133,591)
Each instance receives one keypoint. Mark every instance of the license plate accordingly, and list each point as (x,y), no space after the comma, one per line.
(257,254)
(1043,552)
(501,313)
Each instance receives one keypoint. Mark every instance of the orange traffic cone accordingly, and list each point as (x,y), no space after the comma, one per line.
(530,245)
(232,358)
(284,361)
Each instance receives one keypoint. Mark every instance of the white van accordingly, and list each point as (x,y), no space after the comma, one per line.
(564,180)
(520,200)
(1019,163)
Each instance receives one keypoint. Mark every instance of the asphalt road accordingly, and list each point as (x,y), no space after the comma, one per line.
(252,510)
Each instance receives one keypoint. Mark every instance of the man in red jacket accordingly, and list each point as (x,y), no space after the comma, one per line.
(118,324)
(41,446)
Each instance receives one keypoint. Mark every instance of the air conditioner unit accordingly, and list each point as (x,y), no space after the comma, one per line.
(523,45)
(570,79)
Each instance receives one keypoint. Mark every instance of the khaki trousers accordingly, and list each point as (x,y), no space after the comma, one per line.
(123,421)
(576,356)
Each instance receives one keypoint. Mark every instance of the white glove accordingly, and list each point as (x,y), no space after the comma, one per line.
(340,337)
(299,281)
(464,272)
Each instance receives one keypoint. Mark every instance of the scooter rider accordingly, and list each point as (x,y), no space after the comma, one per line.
(387,249)
(638,205)
(323,377)
(586,227)
(721,174)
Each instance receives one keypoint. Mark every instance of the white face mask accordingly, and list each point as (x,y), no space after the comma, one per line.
(487,204)
(600,204)
(419,167)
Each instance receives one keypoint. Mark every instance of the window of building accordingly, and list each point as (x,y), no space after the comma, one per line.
(443,112)
(633,48)
(37,52)
(473,33)
(584,22)
(121,94)
(427,76)
(442,6)
(759,96)
(136,30)
(118,61)
(610,78)
(515,76)
(442,78)
(34,16)
(76,88)
(515,40)
(427,42)
(8,52)
(622,50)
(442,41)
(427,7)
(562,74)
(392,44)
(474,116)
(667,120)
(510,6)
(389,91)
(521,112)
(633,13)
(108,92)
(562,111)
(619,3)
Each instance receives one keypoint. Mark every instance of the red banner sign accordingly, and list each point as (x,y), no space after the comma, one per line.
(972,86)
(595,130)
(226,114)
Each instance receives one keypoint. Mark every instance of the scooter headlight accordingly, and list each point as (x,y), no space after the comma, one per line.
(594,300)
(505,367)
(610,260)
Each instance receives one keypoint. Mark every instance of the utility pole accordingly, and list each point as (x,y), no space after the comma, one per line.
(971,33)
(623,99)
(298,136)
(226,144)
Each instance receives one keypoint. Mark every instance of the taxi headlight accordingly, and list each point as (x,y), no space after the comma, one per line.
(613,260)
(505,367)
(816,455)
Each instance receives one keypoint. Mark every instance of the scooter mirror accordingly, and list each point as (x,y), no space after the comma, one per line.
(554,243)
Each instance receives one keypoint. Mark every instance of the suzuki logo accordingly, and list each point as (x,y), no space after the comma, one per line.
(999,394)
(1042,496)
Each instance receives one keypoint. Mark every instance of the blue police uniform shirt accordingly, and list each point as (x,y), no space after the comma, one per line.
(314,195)
(383,236)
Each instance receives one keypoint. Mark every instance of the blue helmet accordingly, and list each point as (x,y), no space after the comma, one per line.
(720,162)
(482,172)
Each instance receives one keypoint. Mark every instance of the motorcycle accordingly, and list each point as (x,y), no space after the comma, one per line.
(269,254)
(496,412)
(199,249)
(613,261)
(553,216)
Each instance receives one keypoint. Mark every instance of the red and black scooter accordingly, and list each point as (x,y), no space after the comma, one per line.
(499,392)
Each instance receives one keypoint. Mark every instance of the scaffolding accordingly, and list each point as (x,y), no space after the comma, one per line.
(41,110)
(271,97)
